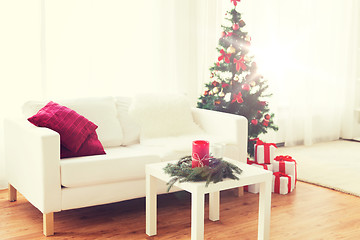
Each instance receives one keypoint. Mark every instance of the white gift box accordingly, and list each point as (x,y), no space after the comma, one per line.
(286,167)
(255,188)
(260,154)
(283,184)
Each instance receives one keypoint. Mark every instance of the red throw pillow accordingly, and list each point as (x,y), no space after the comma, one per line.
(73,128)
(91,146)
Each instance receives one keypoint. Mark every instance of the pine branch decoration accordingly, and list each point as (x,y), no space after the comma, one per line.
(217,170)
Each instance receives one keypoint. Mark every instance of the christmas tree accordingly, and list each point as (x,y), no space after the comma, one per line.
(235,85)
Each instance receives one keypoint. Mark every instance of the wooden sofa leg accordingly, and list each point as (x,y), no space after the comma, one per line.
(48,224)
(12,193)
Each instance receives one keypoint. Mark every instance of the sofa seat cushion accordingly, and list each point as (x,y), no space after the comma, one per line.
(128,163)
(119,164)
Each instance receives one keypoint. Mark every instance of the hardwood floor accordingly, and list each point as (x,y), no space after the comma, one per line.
(310,212)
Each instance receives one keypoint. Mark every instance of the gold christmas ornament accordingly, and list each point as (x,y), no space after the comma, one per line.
(236,78)
(215,90)
(253,83)
(231,49)
(221,94)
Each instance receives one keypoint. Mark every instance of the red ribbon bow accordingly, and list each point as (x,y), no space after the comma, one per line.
(240,63)
(282,159)
(235,2)
(225,56)
(266,150)
(238,98)
(200,161)
(277,181)
(265,166)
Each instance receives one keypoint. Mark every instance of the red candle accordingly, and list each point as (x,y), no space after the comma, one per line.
(200,153)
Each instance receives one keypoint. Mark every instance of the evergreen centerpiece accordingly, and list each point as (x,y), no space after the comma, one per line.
(217,170)
(235,85)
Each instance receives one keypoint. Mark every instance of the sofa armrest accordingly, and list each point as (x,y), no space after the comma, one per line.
(32,156)
(228,126)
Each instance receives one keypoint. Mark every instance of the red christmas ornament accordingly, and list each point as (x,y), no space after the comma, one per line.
(242,23)
(238,98)
(235,26)
(206,93)
(235,2)
(223,34)
(254,122)
(240,63)
(229,34)
(215,83)
(245,87)
(225,56)
(265,122)
(267,116)
(224,85)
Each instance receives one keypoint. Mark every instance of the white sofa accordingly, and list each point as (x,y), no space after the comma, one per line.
(51,184)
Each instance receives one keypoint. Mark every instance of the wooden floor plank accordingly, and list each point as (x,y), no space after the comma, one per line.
(310,212)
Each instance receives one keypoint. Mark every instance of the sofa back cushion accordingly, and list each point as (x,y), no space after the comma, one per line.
(101,111)
(163,115)
(131,130)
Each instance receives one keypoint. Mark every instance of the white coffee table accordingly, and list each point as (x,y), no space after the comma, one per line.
(250,175)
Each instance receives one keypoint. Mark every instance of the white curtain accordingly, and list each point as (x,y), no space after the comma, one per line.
(111,47)
(307,50)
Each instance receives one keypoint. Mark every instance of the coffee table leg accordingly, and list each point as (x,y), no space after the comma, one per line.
(264,210)
(214,206)
(151,205)
(197,216)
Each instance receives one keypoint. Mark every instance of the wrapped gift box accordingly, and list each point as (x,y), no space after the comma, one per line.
(285,164)
(264,152)
(255,188)
(283,183)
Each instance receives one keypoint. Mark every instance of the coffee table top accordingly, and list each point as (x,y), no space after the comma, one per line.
(249,175)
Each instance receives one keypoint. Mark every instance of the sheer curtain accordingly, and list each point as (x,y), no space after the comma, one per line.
(96,47)
(307,51)
(79,48)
